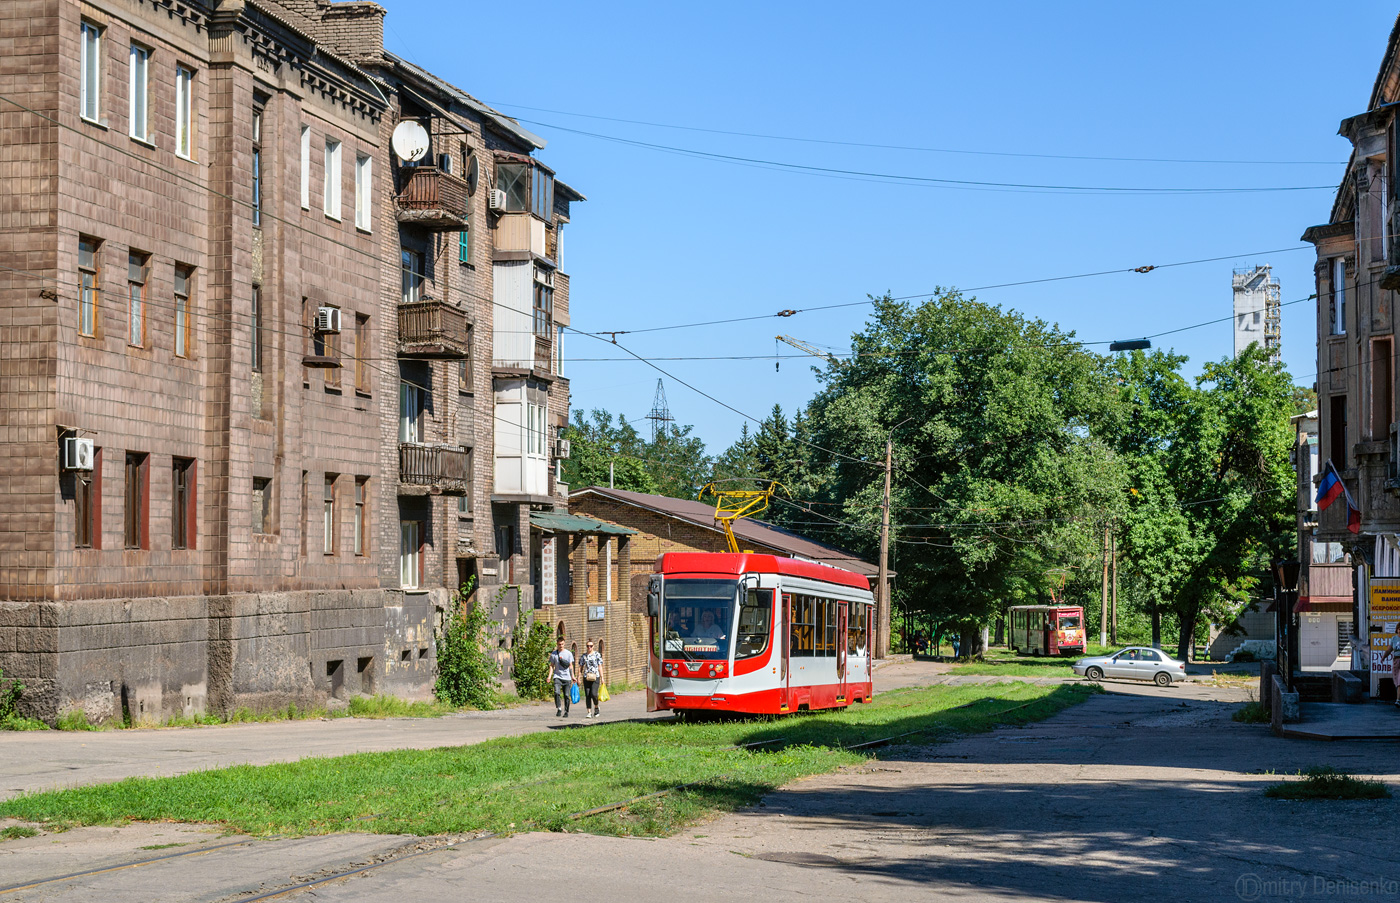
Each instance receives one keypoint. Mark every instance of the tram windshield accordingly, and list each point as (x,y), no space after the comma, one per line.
(1070,622)
(699,618)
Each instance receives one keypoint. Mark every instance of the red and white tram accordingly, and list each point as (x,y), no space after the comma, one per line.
(757,634)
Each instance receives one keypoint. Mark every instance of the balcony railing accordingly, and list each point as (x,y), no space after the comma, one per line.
(435,469)
(433,200)
(432,330)
(544,359)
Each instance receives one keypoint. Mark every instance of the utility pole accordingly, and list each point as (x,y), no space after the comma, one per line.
(1113,607)
(1103,613)
(610,475)
(882,608)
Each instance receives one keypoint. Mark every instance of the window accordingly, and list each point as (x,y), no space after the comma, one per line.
(543,194)
(465,506)
(559,351)
(1337,427)
(855,629)
(182,510)
(257,166)
(364,187)
(262,505)
(330,346)
(329,537)
(362,515)
(87,504)
(535,429)
(412,276)
(87,286)
(606,554)
(464,367)
(1339,296)
(183,277)
(514,180)
(410,412)
(755,623)
(362,354)
(804,622)
(90,88)
(1381,387)
(136,299)
(410,555)
(184,112)
(303,513)
(464,245)
(306,167)
(257,318)
(139,97)
(331,202)
(137,498)
(544,302)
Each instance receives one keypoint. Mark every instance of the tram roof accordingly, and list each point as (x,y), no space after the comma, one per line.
(755,563)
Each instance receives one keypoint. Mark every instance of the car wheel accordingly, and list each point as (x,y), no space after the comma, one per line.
(1163,679)
(1094,673)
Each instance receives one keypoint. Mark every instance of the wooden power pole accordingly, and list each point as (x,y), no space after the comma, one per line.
(1103,612)
(882,604)
(1113,604)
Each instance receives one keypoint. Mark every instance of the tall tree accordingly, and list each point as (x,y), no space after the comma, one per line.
(602,449)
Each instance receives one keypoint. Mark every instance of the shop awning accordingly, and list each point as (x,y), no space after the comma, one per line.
(572,523)
(1322,603)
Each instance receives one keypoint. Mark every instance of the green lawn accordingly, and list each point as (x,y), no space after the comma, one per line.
(1002,661)
(539,780)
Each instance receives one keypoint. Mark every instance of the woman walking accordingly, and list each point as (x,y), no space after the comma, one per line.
(592,664)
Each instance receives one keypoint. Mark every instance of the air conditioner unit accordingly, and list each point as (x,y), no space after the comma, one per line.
(561,448)
(328,319)
(77,453)
(496,200)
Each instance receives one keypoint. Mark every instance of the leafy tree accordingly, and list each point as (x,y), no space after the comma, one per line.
(1304,399)
(531,644)
(739,461)
(677,462)
(597,443)
(466,668)
(1000,478)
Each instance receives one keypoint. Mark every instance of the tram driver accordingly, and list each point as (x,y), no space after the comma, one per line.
(709,629)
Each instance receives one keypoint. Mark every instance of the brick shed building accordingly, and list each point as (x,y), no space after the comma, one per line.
(610,569)
(273,383)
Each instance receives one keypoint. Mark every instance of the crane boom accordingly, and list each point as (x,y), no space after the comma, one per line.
(808,348)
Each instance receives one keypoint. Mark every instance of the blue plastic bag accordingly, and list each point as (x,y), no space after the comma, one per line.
(573,693)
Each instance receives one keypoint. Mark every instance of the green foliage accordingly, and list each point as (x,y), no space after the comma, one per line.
(1327,783)
(674,465)
(535,781)
(75,720)
(466,668)
(393,707)
(531,644)
(10,718)
(15,832)
(1250,713)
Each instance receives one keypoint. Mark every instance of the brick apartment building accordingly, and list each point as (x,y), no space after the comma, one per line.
(1358,275)
(270,392)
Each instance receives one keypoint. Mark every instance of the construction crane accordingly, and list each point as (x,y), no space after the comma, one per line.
(804,346)
(732,504)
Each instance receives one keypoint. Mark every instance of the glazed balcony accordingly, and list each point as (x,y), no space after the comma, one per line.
(434,200)
(432,330)
(432,469)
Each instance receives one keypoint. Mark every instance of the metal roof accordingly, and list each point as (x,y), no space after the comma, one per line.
(572,523)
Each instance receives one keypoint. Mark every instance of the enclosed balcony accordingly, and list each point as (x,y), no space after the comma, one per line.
(432,330)
(432,199)
(432,469)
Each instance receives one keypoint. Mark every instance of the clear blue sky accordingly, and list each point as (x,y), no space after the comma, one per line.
(668,238)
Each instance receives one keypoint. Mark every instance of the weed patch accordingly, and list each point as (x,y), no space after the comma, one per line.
(1250,713)
(1327,783)
(15,832)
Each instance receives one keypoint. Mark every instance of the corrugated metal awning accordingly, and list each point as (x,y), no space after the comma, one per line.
(572,523)
(1322,603)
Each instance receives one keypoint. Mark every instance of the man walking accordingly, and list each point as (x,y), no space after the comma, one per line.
(561,668)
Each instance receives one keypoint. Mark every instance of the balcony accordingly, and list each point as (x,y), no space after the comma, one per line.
(434,200)
(432,469)
(432,330)
(544,357)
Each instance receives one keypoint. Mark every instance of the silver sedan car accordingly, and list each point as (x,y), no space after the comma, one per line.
(1133,663)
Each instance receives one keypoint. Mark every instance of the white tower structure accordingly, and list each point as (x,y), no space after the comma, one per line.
(1257,314)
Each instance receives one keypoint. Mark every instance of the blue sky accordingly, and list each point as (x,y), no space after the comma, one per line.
(671,238)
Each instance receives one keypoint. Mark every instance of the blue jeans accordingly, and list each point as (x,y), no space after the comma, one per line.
(562,689)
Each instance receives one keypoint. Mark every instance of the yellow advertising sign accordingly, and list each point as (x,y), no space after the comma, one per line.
(1385,599)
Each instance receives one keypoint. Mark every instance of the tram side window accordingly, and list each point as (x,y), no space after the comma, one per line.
(855,630)
(755,623)
(804,623)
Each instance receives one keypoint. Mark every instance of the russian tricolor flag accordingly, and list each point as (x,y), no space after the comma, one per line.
(1332,488)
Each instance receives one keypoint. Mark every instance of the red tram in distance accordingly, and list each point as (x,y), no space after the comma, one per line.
(1046,629)
(757,634)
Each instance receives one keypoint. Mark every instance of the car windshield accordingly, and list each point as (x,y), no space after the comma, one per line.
(699,617)
(1069,622)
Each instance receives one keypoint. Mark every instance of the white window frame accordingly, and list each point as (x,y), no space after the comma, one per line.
(409,553)
(306,167)
(364,191)
(184,112)
(90,73)
(139,94)
(1339,296)
(410,412)
(331,203)
(534,429)
(328,499)
(608,570)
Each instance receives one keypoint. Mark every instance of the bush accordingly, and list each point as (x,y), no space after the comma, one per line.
(1251,713)
(529,649)
(466,668)
(9,697)
(1327,783)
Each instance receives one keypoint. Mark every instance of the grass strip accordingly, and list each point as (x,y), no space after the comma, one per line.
(538,780)
(1327,783)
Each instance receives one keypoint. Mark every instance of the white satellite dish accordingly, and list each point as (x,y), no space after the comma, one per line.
(410,141)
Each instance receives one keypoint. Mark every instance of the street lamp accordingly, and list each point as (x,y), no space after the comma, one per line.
(1130,345)
(1286,579)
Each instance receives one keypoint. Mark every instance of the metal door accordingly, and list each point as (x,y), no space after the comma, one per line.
(786,652)
(842,624)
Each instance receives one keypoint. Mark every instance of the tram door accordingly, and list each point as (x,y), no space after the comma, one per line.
(784,677)
(842,625)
